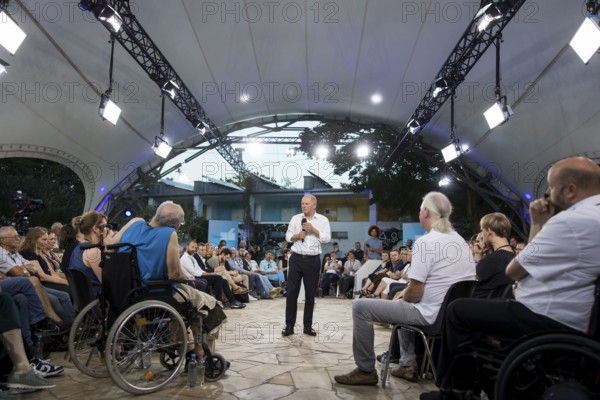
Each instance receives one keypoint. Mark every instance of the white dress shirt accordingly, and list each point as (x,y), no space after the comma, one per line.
(190,265)
(311,245)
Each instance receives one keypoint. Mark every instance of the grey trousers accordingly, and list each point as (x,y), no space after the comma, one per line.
(364,312)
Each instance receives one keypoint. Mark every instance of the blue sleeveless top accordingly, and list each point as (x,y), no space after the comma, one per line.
(76,262)
(151,244)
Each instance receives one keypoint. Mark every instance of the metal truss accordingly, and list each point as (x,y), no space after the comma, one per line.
(144,51)
(467,52)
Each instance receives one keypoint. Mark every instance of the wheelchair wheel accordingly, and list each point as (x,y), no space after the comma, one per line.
(217,370)
(136,343)
(86,341)
(552,366)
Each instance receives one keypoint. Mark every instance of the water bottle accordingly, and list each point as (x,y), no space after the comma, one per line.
(201,370)
(384,377)
(38,347)
(193,371)
(146,359)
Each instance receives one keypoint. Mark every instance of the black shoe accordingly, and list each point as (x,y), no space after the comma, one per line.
(287,331)
(431,396)
(310,332)
(237,305)
(392,360)
(47,327)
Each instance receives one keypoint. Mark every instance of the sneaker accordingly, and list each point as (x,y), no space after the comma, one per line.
(44,369)
(28,380)
(273,293)
(392,360)
(408,372)
(252,298)
(357,377)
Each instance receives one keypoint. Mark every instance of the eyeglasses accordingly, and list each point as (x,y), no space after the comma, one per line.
(105,226)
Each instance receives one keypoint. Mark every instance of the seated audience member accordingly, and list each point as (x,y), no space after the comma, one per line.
(346,282)
(260,283)
(393,288)
(57,303)
(268,267)
(32,248)
(235,267)
(519,247)
(202,257)
(196,277)
(31,316)
(394,275)
(491,274)
(375,277)
(50,255)
(479,249)
(555,283)
(68,239)
(432,273)
(341,256)
(332,273)
(359,254)
(23,376)
(93,226)
(282,263)
(158,259)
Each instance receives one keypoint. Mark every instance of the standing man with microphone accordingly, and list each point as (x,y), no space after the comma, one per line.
(307,231)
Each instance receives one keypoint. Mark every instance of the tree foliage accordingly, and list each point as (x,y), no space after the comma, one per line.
(57,186)
(400,186)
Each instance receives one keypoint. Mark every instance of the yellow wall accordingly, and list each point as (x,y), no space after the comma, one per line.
(359,205)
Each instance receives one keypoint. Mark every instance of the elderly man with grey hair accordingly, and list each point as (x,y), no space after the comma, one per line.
(440,259)
(158,254)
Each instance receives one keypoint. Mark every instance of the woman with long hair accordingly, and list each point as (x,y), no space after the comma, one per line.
(32,248)
(93,227)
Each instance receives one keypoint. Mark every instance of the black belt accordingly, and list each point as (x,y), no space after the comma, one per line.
(306,255)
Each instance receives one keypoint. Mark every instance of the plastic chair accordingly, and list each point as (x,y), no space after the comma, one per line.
(429,333)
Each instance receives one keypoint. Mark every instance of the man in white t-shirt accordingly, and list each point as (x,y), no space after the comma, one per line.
(440,259)
(555,287)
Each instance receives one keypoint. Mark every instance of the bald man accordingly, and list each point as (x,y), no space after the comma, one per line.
(555,282)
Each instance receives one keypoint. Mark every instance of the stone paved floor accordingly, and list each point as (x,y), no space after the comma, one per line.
(264,365)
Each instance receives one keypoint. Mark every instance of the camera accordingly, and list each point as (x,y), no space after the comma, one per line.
(25,207)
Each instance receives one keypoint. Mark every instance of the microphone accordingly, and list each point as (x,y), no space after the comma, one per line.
(303,222)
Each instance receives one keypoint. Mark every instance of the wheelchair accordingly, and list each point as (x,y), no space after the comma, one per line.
(552,365)
(136,334)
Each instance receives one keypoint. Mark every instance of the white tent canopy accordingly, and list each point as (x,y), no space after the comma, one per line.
(247,60)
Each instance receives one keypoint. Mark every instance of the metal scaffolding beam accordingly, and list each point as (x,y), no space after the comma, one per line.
(144,51)
(467,52)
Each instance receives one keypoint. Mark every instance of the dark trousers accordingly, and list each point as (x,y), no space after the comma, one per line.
(301,269)
(469,319)
(326,280)
(346,283)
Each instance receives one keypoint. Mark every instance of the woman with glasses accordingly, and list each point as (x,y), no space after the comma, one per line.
(94,228)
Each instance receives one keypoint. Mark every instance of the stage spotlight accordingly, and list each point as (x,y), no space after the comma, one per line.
(11,36)
(498,114)
(492,13)
(108,110)
(168,86)
(586,41)
(363,151)
(322,152)
(451,152)
(441,85)
(445,181)
(161,147)
(415,126)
